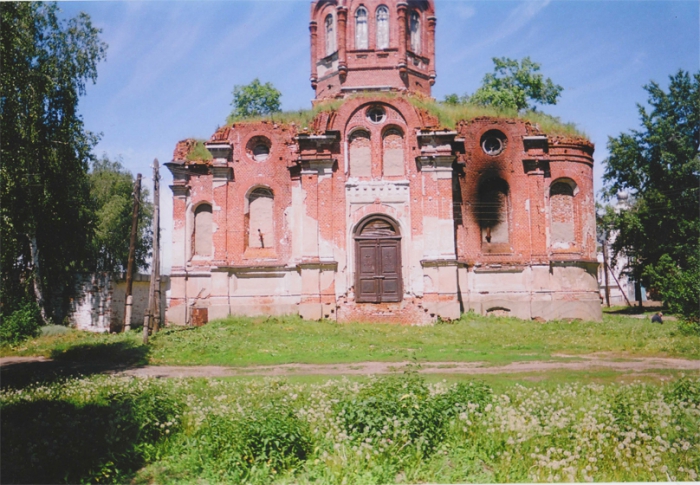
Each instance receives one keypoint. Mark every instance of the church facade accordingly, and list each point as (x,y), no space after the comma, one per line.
(374,211)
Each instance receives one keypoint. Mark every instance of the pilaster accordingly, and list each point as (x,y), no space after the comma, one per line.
(342,41)
(401,16)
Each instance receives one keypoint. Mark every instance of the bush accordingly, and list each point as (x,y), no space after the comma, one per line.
(399,414)
(262,441)
(21,324)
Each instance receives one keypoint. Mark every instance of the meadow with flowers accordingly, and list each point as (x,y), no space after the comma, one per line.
(390,429)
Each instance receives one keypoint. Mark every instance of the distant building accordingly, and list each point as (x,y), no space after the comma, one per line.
(620,284)
(98,301)
(376,212)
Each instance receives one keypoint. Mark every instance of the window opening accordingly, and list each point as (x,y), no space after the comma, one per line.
(360,154)
(382,27)
(493,142)
(261,152)
(361,37)
(376,114)
(561,201)
(330,35)
(261,218)
(492,211)
(393,153)
(202,230)
(415,32)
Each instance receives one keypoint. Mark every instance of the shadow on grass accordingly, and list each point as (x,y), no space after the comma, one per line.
(55,441)
(633,310)
(83,359)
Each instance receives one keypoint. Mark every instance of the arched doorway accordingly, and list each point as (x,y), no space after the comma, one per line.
(378,261)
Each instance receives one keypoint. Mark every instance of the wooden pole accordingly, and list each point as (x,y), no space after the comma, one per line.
(148,323)
(605,268)
(619,286)
(156,240)
(132,252)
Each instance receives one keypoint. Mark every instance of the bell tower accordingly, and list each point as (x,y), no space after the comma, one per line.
(372,45)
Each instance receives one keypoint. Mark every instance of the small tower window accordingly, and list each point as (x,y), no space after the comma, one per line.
(361,36)
(415,32)
(382,27)
(330,35)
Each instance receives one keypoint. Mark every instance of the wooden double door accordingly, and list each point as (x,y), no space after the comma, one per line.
(378,255)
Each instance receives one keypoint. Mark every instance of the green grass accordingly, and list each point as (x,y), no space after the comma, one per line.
(199,152)
(303,118)
(448,115)
(251,341)
(401,428)
(495,340)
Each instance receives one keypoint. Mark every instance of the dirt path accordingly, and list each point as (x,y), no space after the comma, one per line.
(586,362)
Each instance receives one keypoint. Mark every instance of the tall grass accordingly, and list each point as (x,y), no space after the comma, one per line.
(199,152)
(303,118)
(384,430)
(448,115)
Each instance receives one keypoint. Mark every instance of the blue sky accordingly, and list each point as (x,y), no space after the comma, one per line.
(171,66)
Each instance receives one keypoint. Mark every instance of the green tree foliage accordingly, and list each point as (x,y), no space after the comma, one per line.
(44,192)
(255,99)
(111,189)
(455,99)
(516,85)
(659,165)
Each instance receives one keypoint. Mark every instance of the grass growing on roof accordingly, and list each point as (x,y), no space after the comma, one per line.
(448,115)
(302,118)
(199,152)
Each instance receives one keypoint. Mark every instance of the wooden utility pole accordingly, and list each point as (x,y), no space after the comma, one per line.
(152,317)
(156,237)
(605,268)
(132,252)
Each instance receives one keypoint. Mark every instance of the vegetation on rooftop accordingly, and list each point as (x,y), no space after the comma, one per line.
(199,152)
(448,115)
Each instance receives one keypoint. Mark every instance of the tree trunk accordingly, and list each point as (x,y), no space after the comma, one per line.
(36,277)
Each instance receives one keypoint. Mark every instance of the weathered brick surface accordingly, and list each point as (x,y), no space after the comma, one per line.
(479,228)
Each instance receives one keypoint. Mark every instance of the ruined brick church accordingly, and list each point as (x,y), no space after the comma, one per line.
(375,211)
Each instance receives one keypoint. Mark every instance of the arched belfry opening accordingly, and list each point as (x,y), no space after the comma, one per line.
(378,261)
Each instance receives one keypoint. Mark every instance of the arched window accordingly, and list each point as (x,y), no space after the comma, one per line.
(202,230)
(382,27)
(330,35)
(561,203)
(492,211)
(360,154)
(392,152)
(361,35)
(260,218)
(415,32)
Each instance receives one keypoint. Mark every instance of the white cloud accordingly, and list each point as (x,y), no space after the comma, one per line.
(465,11)
(516,20)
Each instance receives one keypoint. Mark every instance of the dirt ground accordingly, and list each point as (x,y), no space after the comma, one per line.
(578,363)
